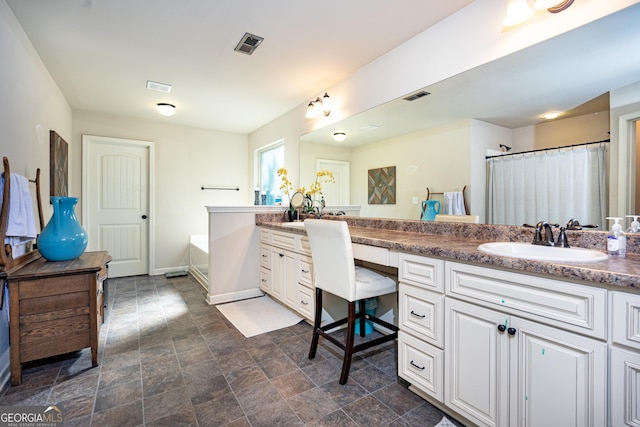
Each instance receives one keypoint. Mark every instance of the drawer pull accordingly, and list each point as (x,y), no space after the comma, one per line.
(416,366)
(281,255)
(419,316)
(264,280)
(303,302)
(305,271)
(264,256)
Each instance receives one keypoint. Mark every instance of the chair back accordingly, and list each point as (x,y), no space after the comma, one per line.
(332,254)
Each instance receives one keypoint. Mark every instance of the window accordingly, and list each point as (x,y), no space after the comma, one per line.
(270,159)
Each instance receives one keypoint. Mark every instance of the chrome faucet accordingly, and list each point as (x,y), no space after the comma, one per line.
(547,239)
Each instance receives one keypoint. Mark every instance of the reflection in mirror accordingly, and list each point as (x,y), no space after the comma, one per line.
(440,140)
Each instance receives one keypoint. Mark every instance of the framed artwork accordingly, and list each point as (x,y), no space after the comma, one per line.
(58,165)
(382,186)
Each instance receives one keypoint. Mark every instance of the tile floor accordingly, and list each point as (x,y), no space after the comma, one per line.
(169,359)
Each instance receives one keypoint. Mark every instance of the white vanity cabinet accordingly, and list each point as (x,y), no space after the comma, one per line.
(523,350)
(421,335)
(624,360)
(286,269)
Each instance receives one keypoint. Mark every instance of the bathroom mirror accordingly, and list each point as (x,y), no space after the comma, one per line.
(573,72)
(297,200)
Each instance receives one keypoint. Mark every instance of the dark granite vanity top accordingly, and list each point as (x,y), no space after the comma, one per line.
(459,242)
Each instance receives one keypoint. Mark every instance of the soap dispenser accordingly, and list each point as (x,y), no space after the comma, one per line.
(616,240)
(635,225)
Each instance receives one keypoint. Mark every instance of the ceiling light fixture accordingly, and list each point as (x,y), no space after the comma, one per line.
(166,109)
(319,107)
(339,136)
(551,115)
(518,11)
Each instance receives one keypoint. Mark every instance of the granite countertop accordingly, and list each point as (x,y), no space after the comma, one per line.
(459,242)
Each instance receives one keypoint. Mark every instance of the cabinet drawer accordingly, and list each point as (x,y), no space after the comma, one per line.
(421,271)
(570,306)
(265,235)
(284,240)
(265,257)
(304,245)
(422,313)
(421,364)
(626,319)
(265,280)
(306,304)
(54,286)
(305,275)
(372,254)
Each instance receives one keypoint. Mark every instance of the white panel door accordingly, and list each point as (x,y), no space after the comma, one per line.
(337,194)
(117,202)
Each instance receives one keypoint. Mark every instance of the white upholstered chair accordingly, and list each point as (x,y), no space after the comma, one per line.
(335,272)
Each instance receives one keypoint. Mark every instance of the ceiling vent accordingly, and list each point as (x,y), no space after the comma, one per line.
(248,43)
(160,87)
(417,95)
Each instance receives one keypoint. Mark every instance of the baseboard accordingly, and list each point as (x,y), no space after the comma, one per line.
(234,296)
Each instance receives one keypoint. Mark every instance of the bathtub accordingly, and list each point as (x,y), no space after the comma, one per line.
(199,258)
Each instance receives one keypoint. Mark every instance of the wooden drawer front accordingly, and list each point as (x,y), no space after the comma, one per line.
(574,307)
(306,305)
(284,240)
(265,235)
(43,287)
(52,338)
(626,319)
(421,364)
(421,271)
(54,303)
(304,245)
(265,280)
(422,313)
(265,256)
(305,269)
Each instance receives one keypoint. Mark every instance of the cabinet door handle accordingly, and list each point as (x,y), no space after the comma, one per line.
(264,256)
(511,331)
(281,255)
(502,328)
(419,316)
(264,280)
(416,366)
(303,302)
(305,271)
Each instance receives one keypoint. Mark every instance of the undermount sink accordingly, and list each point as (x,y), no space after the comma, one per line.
(294,224)
(542,253)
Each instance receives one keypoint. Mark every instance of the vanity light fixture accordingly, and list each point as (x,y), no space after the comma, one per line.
(339,136)
(319,107)
(518,11)
(166,109)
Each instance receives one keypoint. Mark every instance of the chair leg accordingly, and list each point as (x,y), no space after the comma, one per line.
(317,322)
(348,351)
(361,305)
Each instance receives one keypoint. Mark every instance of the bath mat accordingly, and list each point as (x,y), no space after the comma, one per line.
(445,422)
(256,316)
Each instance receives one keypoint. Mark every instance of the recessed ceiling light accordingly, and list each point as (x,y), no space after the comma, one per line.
(160,87)
(166,109)
(551,115)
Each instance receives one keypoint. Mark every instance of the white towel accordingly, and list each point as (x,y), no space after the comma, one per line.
(454,203)
(21,226)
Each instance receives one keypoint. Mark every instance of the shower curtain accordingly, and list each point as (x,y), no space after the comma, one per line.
(549,185)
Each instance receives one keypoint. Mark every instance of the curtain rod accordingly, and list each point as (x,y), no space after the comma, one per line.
(549,149)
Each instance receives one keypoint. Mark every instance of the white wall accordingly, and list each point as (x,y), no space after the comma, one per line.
(185,159)
(30,105)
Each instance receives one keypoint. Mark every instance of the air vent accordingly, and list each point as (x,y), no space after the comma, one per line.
(416,95)
(248,43)
(160,87)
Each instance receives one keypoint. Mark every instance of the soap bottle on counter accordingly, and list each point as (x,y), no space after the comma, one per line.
(616,240)
(635,225)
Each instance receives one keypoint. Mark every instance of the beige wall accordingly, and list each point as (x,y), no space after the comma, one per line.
(185,159)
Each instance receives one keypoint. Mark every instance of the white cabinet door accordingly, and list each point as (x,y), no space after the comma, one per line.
(290,280)
(560,379)
(625,388)
(476,363)
(278,272)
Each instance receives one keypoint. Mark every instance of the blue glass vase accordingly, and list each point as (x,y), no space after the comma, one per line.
(63,238)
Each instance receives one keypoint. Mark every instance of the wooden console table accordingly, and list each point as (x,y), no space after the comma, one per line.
(56,308)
